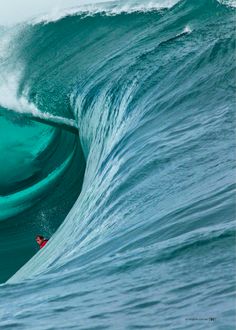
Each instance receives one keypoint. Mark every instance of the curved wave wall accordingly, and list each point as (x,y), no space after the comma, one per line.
(149,242)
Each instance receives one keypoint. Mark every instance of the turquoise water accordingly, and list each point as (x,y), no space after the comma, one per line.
(117,141)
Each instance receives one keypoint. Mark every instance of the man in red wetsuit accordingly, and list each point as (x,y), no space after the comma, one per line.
(41,241)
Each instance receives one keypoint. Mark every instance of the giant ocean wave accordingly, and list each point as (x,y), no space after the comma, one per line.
(117,139)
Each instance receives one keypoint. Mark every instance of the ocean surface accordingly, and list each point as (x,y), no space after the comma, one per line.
(117,142)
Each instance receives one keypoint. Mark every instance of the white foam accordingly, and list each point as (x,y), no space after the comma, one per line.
(10,101)
(187,29)
(108,8)
(10,77)
(229,3)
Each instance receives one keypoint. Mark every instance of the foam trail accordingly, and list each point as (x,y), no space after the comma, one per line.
(43,117)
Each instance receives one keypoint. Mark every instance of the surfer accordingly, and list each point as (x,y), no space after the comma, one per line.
(41,241)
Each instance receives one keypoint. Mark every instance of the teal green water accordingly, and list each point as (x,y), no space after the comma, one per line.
(20,146)
(117,140)
(38,185)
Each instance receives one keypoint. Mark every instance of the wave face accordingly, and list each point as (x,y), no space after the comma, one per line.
(149,242)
